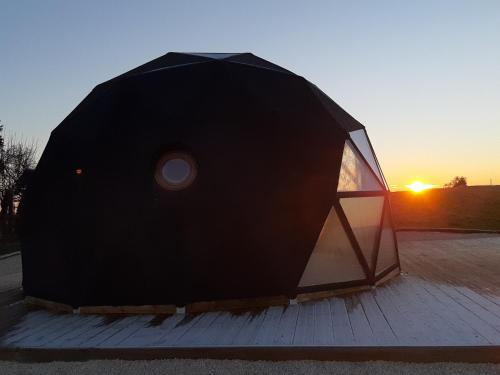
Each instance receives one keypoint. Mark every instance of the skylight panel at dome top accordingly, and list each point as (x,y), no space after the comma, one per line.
(217,56)
(355,174)
(360,139)
(333,259)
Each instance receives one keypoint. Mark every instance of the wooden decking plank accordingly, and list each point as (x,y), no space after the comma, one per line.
(472,265)
(233,326)
(149,335)
(475,276)
(91,328)
(68,338)
(178,330)
(479,325)
(363,334)
(108,331)
(267,331)
(18,321)
(248,332)
(323,324)
(117,338)
(53,334)
(382,331)
(342,330)
(194,336)
(482,313)
(286,327)
(458,331)
(304,331)
(462,269)
(42,335)
(401,326)
(218,328)
(50,321)
(428,272)
(28,323)
(431,328)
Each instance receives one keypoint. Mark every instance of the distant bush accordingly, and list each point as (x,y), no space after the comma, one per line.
(458,181)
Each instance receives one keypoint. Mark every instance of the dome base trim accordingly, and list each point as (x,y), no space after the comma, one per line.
(30,301)
(321,292)
(233,305)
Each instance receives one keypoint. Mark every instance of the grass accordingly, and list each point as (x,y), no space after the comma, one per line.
(473,207)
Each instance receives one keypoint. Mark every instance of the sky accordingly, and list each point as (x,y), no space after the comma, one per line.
(422,76)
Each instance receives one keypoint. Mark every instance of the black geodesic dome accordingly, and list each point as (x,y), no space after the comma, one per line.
(200,177)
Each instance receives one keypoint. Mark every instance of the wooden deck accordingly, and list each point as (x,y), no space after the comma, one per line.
(447,299)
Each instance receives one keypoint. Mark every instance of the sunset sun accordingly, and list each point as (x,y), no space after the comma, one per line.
(418,186)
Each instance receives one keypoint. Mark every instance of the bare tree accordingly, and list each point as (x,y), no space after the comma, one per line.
(457,181)
(17,158)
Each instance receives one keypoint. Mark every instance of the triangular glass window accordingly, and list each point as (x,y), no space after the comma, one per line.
(360,139)
(387,255)
(364,215)
(355,174)
(333,259)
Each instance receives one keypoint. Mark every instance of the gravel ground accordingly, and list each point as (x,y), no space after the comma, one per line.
(180,367)
(10,272)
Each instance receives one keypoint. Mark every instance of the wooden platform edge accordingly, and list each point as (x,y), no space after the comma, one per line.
(466,354)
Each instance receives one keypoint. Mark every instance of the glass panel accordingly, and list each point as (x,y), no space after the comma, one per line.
(364,216)
(360,139)
(218,56)
(387,254)
(355,175)
(176,171)
(333,258)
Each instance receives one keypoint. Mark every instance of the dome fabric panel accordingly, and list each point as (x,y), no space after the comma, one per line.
(169,60)
(343,119)
(250,59)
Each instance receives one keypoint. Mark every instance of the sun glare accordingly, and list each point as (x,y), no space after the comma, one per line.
(418,187)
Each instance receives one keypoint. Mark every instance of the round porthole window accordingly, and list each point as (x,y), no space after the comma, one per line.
(175,171)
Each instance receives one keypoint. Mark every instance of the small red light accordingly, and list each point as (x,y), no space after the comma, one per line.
(78,171)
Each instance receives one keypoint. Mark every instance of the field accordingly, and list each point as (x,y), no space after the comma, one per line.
(473,207)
